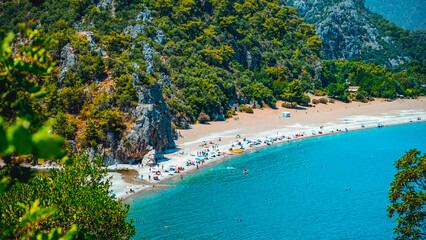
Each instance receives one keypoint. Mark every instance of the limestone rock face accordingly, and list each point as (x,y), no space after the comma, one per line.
(149,158)
(345,28)
(135,79)
(107,4)
(145,16)
(160,37)
(91,39)
(151,134)
(148,52)
(67,61)
(135,65)
(133,30)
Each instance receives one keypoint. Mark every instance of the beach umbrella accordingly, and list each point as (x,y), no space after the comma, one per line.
(171,166)
(130,186)
(198,159)
(204,141)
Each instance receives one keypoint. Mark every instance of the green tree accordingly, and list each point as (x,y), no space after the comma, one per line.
(27,201)
(125,94)
(21,139)
(86,202)
(63,127)
(294,93)
(335,89)
(408,196)
(91,134)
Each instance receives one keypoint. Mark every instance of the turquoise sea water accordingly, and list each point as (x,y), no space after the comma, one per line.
(330,187)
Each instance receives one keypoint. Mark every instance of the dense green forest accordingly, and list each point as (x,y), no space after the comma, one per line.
(207,55)
(214,53)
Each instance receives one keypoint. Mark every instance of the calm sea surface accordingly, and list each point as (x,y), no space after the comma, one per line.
(330,187)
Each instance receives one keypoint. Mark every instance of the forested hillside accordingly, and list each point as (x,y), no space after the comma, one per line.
(127,73)
(350,31)
(408,14)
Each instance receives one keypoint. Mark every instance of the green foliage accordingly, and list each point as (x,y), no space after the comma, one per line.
(81,197)
(110,121)
(116,42)
(75,198)
(373,80)
(219,56)
(335,90)
(203,118)
(411,43)
(407,196)
(125,92)
(288,105)
(63,127)
(90,67)
(19,95)
(294,93)
(259,93)
(32,217)
(18,74)
(247,109)
(91,133)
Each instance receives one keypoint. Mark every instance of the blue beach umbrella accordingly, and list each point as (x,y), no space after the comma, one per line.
(198,159)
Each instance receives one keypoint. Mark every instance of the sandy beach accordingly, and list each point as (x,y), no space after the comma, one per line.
(263,125)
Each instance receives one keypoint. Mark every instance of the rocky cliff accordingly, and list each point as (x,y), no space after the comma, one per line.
(346,31)
(149,136)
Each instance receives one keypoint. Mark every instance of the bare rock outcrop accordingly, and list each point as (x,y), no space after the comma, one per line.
(151,134)
(345,29)
(145,16)
(67,61)
(133,30)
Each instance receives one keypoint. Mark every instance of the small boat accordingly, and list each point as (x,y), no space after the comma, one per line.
(237,151)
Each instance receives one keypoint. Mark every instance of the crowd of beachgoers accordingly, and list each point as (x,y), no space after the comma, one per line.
(206,144)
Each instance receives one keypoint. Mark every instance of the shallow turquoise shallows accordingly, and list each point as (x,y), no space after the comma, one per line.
(330,187)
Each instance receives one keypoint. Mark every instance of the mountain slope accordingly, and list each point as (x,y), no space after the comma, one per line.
(129,72)
(349,30)
(408,14)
